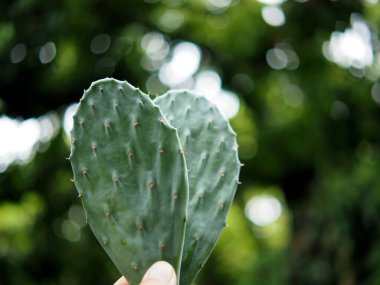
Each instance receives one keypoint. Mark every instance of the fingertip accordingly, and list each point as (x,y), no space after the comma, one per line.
(121,281)
(160,273)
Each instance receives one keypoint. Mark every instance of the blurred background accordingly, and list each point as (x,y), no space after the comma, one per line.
(299,81)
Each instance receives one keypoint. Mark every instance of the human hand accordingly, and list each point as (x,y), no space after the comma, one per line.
(160,273)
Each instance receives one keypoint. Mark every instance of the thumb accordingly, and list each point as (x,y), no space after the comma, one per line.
(160,273)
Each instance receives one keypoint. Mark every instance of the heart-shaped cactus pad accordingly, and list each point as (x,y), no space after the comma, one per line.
(156,177)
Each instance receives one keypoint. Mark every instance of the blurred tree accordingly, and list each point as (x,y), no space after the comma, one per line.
(305,73)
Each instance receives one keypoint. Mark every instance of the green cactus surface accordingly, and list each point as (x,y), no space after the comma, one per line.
(210,148)
(156,178)
(130,173)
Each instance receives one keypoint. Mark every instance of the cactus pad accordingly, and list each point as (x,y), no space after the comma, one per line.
(211,155)
(130,173)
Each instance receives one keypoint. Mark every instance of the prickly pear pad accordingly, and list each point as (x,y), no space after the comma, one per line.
(130,173)
(210,148)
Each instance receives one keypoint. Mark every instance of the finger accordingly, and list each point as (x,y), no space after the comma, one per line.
(121,281)
(160,273)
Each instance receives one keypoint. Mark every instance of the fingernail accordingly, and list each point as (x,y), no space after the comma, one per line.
(161,271)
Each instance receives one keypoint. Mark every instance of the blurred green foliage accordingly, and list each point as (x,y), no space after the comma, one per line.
(308,131)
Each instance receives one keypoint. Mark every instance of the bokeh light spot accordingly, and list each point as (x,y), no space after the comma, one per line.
(353,47)
(263,210)
(273,15)
(217,6)
(22,138)
(208,83)
(183,64)
(77,215)
(155,46)
(47,52)
(228,103)
(71,230)
(68,119)
(276,58)
(271,2)
(18,53)
(100,43)
(171,20)
(371,2)
(293,95)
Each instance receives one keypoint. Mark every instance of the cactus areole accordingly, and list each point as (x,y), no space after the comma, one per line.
(156,177)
